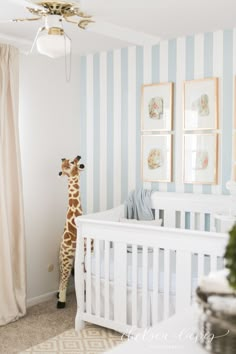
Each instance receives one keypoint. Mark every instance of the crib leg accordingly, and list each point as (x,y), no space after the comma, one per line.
(79,324)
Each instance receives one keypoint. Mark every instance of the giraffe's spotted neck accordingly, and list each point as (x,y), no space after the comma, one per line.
(74,195)
(73,183)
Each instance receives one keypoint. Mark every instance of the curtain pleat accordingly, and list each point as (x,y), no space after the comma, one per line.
(12,241)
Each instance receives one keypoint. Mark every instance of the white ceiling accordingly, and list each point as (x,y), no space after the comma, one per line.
(120,23)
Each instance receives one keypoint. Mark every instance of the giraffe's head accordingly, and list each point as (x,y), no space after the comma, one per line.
(71,168)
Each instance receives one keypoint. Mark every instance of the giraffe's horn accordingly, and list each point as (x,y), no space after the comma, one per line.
(62,159)
(78,157)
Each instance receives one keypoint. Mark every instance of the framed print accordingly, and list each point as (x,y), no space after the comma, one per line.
(157,158)
(157,107)
(201,104)
(200,158)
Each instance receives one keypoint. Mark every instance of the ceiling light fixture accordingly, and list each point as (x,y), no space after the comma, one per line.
(54,43)
(51,39)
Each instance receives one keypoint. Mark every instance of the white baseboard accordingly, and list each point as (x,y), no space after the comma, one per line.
(45,297)
(38,299)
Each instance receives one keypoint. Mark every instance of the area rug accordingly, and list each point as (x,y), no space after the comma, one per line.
(91,340)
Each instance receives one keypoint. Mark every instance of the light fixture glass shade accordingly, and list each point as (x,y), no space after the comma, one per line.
(54,46)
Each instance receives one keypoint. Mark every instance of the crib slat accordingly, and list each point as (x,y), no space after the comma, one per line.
(155,285)
(157,214)
(212,225)
(88,275)
(200,265)
(134,285)
(202,222)
(192,220)
(183,280)
(120,285)
(144,286)
(166,282)
(169,218)
(107,271)
(197,221)
(97,252)
(213,263)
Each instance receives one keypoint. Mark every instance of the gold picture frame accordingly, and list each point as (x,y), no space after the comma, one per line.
(157,107)
(200,164)
(200,104)
(156,158)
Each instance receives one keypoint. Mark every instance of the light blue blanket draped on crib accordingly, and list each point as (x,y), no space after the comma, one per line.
(138,205)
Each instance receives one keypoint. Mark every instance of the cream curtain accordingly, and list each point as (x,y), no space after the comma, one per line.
(12,244)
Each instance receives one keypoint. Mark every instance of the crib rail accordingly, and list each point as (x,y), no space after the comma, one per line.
(190,211)
(179,210)
(138,275)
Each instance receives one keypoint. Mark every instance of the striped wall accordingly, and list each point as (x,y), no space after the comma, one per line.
(110,96)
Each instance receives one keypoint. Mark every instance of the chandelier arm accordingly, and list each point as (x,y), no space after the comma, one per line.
(70,21)
(26,19)
(82,23)
(38,12)
(41,29)
(80,14)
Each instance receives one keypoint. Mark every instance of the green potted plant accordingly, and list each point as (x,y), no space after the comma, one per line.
(230,257)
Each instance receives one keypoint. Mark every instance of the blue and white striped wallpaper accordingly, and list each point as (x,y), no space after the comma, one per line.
(110,100)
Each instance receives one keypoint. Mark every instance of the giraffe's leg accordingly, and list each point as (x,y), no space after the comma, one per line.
(66,264)
(65,275)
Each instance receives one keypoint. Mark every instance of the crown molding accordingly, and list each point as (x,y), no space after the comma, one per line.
(22,44)
(122,33)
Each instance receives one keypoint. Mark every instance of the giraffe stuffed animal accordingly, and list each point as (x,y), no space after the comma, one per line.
(71,169)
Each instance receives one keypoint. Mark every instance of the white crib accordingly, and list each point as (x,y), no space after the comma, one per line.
(138,275)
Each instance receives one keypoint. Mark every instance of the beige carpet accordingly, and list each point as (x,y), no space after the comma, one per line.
(52,328)
(42,322)
(92,339)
